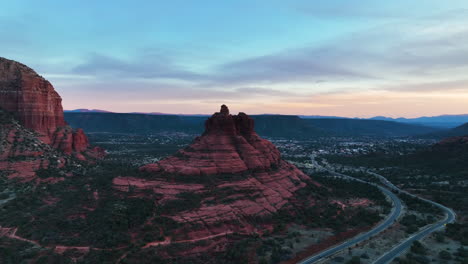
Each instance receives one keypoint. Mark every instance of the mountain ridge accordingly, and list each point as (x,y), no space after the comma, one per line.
(279,126)
(439,121)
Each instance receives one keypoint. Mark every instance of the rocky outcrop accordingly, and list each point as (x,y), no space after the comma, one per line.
(228,145)
(33,101)
(30,98)
(237,176)
(22,153)
(451,148)
(455,141)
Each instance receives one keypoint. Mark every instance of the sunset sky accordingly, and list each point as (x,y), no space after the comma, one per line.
(346,58)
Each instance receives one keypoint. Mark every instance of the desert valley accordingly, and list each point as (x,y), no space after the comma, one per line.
(165,191)
(233,132)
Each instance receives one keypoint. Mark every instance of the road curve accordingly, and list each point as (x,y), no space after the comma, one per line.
(395,213)
(450,217)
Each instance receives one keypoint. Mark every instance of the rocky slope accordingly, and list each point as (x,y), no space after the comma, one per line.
(226,198)
(22,153)
(236,176)
(455,145)
(33,102)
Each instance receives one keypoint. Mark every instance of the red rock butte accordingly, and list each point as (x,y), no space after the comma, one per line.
(238,174)
(33,101)
(228,145)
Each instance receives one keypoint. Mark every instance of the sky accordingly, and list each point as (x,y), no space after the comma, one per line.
(324,57)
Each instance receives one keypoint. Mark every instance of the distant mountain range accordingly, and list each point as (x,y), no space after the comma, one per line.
(134,123)
(371,128)
(454,132)
(442,121)
(445,121)
(84,110)
(280,126)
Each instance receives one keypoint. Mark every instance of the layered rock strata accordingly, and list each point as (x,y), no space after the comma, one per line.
(33,101)
(228,145)
(237,175)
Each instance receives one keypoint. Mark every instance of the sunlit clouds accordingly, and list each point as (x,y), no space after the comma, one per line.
(301,57)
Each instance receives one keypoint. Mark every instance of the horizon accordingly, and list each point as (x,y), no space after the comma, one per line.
(394,59)
(242,131)
(209,114)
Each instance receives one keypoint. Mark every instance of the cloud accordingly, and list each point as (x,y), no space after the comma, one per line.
(405,56)
(141,90)
(434,86)
(144,66)
(430,49)
(256,91)
(372,58)
(288,66)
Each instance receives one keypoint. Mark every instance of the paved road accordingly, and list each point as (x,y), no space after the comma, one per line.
(402,247)
(395,213)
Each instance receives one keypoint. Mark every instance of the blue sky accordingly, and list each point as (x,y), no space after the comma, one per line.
(348,58)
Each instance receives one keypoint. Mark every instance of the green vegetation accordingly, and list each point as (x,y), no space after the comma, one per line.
(418,248)
(68,213)
(104,222)
(411,258)
(412,223)
(438,173)
(354,260)
(185,201)
(458,231)
(51,172)
(445,255)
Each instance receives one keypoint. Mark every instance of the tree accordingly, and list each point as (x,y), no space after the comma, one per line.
(354,260)
(439,237)
(444,254)
(418,248)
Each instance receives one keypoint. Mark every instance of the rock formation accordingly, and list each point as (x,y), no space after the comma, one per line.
(457,141)
(33,131)
(22,153)
(452,148)
(33,101)
(238,175)
(228,145)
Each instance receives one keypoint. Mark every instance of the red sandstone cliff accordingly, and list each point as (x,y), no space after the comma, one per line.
(228,145)
(22,153)
(34,102)
(239,176)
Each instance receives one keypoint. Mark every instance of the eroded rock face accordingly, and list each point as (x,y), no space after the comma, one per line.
(33,101)
(30,98)
(22,153)
(237,175)
(228,145)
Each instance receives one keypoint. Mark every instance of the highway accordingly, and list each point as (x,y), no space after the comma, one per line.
(394,214)
(398,250)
